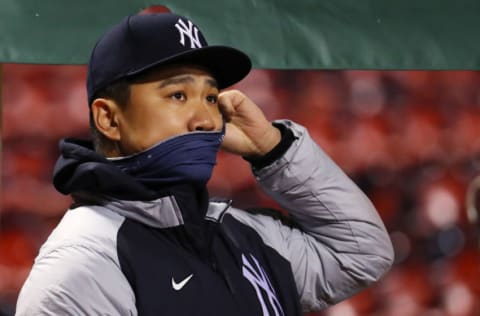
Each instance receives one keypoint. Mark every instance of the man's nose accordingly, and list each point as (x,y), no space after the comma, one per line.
(203,118)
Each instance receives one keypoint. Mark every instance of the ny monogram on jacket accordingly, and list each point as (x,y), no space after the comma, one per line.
(260,281)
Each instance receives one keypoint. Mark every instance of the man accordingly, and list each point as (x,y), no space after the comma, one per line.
(143,238)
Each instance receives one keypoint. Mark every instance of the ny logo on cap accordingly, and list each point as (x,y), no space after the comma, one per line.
(190,31)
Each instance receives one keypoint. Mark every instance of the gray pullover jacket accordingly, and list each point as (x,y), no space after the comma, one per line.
(113,256)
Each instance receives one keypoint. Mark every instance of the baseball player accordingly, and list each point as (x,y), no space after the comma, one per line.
(143,236)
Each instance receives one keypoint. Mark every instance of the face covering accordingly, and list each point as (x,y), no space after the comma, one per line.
(187,158)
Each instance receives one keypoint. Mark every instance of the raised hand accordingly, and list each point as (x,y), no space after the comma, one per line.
(248,132)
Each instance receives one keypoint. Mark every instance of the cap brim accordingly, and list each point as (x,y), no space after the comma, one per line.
(227,65)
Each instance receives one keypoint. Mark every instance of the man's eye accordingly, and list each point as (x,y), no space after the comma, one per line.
(212,99)
(179,96)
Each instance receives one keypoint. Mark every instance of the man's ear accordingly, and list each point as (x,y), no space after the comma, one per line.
(105,114)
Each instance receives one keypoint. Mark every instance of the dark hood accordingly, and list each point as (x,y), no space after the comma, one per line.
(80,169)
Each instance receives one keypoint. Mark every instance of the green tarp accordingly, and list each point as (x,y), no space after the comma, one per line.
(285,34)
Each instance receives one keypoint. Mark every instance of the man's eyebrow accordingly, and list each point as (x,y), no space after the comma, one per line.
(212,82)
(186,79)
(176,80)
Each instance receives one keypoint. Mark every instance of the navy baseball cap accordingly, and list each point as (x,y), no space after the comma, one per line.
(140,42)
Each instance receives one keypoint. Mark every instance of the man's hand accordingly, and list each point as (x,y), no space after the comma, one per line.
(248,132)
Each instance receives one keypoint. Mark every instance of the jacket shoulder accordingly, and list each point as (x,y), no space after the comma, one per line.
(89,227)
(77,270)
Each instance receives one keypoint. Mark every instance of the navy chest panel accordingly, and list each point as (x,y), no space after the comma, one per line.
(234,274)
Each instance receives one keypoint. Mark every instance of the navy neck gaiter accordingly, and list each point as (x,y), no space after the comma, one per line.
(186,159)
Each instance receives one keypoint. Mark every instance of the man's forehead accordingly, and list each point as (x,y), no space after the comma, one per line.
(180,72)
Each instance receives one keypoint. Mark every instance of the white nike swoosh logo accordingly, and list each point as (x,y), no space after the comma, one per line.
(178,286)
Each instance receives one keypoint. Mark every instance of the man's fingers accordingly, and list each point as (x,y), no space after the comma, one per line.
(226,108)
(232,98)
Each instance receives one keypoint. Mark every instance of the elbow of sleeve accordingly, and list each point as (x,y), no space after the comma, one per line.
(383,258)
(374,261)
(370,269)
(376,243)
(390,255)
(385,265)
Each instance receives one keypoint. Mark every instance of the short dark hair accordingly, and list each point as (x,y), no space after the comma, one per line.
(119,91)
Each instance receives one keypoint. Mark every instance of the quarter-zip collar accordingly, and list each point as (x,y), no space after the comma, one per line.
(93,180)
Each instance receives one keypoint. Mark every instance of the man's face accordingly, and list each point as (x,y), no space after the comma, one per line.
(168,102)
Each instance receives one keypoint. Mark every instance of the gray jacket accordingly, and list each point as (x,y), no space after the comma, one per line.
(339,248)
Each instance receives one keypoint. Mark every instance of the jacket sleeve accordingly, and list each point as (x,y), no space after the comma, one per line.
(77,277)
(342,245)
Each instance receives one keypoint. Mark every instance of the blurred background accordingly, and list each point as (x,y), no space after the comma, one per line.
(409,139)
